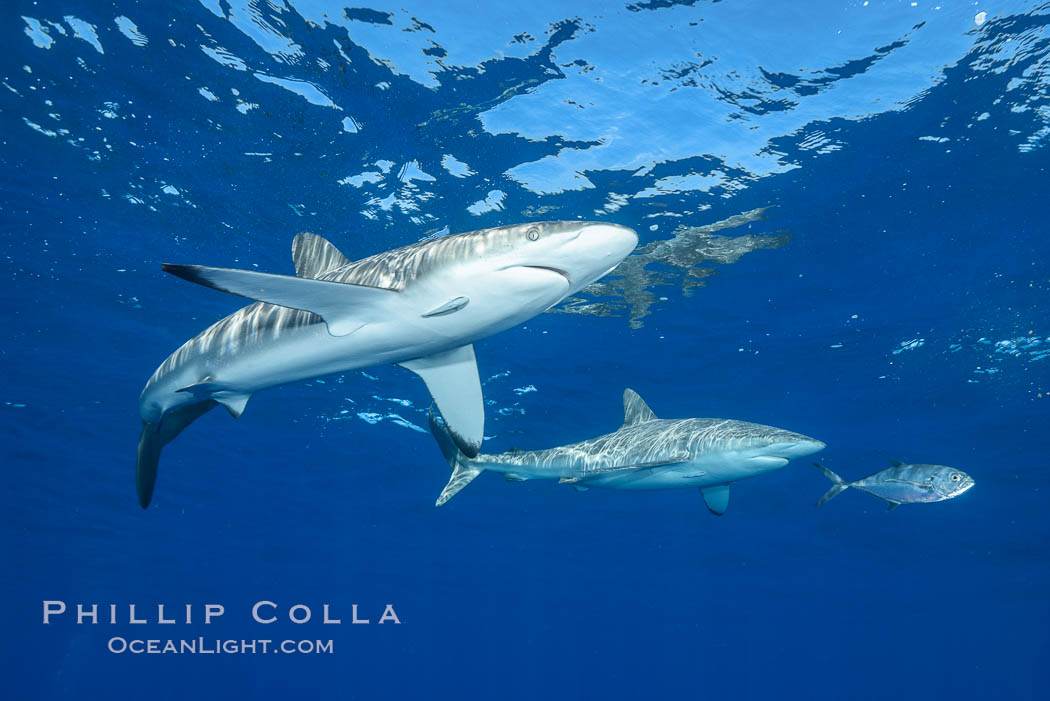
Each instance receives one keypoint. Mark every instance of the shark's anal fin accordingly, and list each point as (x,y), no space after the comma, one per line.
(314,255)
(716,498)
(232,400)
(452,378)
(635,410)
(344,307)
(450,307)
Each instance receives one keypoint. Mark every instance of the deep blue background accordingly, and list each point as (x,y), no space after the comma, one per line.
(521,590)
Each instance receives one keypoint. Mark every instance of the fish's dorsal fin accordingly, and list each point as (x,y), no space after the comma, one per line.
(896,463)
(635,410)
(315,255)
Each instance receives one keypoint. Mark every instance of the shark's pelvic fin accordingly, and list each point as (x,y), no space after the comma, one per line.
(449,307)
(154,437)
(315,255)
(838,484)
(716,498)
(463,469)
(344,307)
(452,378)
(635,410)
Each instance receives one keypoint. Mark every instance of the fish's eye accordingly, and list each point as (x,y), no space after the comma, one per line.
(955,477)
(532,234)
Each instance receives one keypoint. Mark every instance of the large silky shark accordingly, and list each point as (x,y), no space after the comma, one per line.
(645,453)
(421,307)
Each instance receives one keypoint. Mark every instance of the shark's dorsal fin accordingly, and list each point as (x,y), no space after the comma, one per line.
(635,410)
(315,255)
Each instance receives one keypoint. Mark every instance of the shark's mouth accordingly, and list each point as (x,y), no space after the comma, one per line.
(559,271)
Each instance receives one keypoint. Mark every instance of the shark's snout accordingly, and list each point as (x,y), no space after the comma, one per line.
(595,250)
(797,448)
(612,241)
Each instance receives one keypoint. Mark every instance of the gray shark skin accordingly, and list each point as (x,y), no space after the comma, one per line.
(904,484)
(645,453)
(421,307)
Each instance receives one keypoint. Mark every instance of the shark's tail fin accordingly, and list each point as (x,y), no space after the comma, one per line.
(157,435)
(838,486)
(464,470)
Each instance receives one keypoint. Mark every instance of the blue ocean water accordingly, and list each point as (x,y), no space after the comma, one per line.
(880,283)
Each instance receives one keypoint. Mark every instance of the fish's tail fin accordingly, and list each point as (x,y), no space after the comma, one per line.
(464,470)
(154,437)
(838,486)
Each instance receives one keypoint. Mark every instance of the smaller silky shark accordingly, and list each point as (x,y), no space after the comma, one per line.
(645,453)
(420,307)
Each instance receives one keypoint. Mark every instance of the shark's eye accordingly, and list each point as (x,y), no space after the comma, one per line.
(532,234)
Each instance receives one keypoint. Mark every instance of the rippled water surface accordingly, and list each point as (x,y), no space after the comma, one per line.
(842,218)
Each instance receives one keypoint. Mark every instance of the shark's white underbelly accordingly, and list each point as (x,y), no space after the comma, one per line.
(244,365)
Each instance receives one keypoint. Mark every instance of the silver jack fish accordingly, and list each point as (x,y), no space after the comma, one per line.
(421,307)
(645,453)
(904,484)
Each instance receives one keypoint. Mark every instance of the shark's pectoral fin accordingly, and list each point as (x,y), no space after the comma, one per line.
(450,307)
(716,498)
(344,307)
(232,400)
(452,378)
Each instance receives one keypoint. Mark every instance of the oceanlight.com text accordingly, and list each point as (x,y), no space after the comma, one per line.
(214,646)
